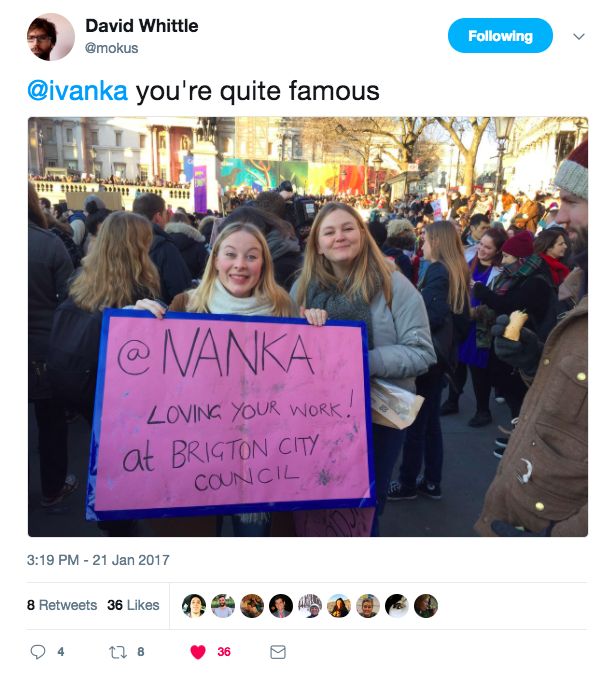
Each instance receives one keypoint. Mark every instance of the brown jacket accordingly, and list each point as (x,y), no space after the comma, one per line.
(552,434)
(533,216)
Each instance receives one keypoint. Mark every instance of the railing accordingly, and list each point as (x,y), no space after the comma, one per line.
(56,192)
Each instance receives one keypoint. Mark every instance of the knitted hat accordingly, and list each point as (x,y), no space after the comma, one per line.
(399,226)
(573,172)
(93,199)
(521,245)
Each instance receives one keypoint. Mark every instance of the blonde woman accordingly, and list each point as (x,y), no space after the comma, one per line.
(346,277)
(238,280)
(445,289)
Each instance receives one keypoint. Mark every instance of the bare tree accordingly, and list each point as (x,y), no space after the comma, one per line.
(457,128)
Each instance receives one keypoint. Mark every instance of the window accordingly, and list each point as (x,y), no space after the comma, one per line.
(163,174)
(226,145)
(94,137)
(185,142)
(270,145)
(69,135)
(162,141)
(120,170)
(51,163)
(72,165)
(143,172)
(143,141)
(97,169)
(118,139)
(49,135)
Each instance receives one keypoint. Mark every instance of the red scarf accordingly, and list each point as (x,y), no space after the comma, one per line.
(558,270)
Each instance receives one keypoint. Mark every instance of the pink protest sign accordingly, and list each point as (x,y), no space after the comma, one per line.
(199,414)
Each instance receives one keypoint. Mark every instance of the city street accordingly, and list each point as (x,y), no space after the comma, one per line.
(468,469)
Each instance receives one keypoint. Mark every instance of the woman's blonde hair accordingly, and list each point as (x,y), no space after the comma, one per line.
(118,271)
(446,248)
(370,271)
(266,288)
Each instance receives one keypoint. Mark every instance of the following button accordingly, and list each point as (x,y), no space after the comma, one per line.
(498,36)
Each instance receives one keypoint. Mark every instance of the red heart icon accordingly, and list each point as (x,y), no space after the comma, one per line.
(197,651)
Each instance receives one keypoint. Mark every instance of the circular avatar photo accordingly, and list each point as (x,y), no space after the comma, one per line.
(309,606)
(223,606)
(368,606)
(252,605)
(281,606)
(50,37)
(426,606)
(396,606)
(194,606)
(339,606)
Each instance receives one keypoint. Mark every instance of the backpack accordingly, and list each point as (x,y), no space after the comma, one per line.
(73,354)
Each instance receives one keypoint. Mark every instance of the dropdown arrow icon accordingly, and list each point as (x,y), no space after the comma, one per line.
(579,37)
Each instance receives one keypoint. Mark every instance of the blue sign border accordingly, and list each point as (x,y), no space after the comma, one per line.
(93,516)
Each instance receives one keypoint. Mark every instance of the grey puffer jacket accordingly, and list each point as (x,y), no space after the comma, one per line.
(403,348)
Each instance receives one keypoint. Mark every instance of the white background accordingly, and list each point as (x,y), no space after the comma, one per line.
(496,613)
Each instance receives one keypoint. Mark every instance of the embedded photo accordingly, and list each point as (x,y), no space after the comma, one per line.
(307,327)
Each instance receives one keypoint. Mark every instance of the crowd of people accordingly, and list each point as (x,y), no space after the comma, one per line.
(111,180)
(440,296)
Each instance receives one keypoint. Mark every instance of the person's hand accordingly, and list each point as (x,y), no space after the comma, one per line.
(479,290)
(316,317)
(524,353)
(151,306)
(504,529)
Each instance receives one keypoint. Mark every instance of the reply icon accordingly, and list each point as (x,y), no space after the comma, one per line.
(38,651)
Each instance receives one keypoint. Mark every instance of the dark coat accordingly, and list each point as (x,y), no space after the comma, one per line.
(174,273)
(285,268)
(191,246)
(400,259)
(49,268)
(552,434)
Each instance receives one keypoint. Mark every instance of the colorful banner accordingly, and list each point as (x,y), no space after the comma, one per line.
(200,190)
(201,414)
(188,167)
(323,178)
(352,178)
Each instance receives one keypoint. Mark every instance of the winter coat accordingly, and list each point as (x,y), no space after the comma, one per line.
(532,294)
(174,273)
(400,259)
(530,223)
(49,268)
(543,476)
(190,244)
(403,348)
(285,268)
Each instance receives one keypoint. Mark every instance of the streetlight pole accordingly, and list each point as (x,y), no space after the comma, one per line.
(504,126)
(377,162)
(452,145)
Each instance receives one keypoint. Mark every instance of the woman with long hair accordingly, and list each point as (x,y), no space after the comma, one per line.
(281,239)
(340,609)
(346,277)
(238,279)
(445,289)
(475,351)
(49,268)
(551,245)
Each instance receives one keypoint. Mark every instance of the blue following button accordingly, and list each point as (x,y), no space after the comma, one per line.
(500,36)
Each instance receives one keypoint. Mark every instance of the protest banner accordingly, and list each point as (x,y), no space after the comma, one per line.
(200,189)
(202,414)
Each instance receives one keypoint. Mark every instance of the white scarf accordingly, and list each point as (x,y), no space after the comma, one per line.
(222,302)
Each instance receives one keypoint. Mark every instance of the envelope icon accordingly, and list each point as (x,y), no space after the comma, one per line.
(278,651)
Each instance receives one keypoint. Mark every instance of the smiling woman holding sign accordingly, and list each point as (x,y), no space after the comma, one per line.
(238,279)
(345,276)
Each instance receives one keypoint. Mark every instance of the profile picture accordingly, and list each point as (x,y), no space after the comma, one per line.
(396,606)
(426,606)
(251,605)
(339,606)
(309,606)
(281,606)
(194,606)
(50,37)
(223,606)
(368,606)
